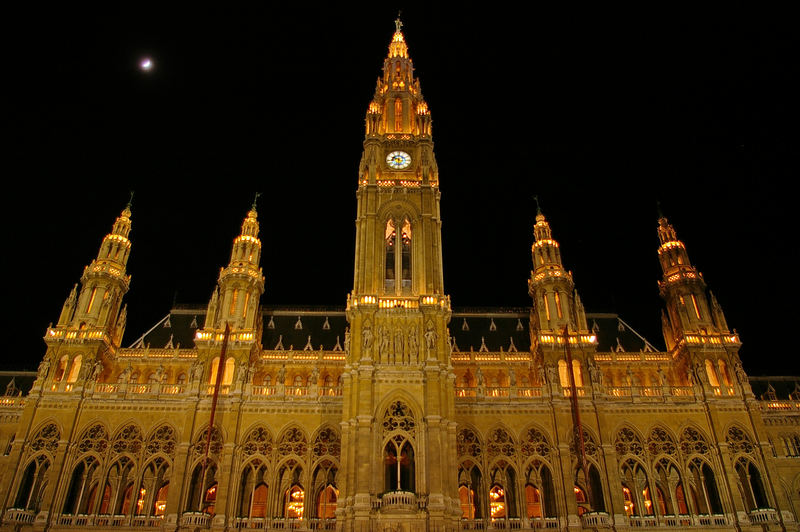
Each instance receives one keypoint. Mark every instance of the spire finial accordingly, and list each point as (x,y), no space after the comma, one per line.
(130,200)
(538,206)
(398,24)
(659,211)
(255,200)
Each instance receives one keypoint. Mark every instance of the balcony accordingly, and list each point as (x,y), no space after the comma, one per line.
(764,516)
(712,520)
(398,501)
(677,520)
(195,520)
(639,521)
(19,516)
(596,520)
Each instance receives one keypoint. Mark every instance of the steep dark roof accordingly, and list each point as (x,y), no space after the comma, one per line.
(19,381)
(781,386)
(495,328)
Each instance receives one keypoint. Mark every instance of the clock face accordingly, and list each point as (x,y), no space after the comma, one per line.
(398,160)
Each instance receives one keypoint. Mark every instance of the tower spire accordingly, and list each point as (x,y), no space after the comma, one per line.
(241,282)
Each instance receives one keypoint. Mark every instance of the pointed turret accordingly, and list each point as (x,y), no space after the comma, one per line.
(694,324)
(236,298)
(396,118)
(92,320)
(682,285)
(555,301)
(104,281)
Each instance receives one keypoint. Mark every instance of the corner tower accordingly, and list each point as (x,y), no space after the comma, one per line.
(398,412)
(92,320)
(557,309)
(694,326)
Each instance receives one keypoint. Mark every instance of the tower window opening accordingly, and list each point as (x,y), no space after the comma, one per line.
(91,300)
(389,246)
(546,306)
(696,307)
(558,304)
(234,300)
(398,110)
(405,267)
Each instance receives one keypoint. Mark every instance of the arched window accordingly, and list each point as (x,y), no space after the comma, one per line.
(704,488)
(723,373)
(399,466)
(34,481)
(80,494)
(75,369)
(576,370)
(61,369)
(254,489)
(294,502)
(497,502)
(405,266)
(466,495)
(227,374)
(397,265)
(203,489)
(326,502)
(390,245)
(563,373)
(160,501)
(533,502)
(398,112)
(153,489)
(751,485)
(713,380)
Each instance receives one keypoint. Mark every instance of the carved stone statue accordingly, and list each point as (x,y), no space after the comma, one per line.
(125,375)
(701,373)
(413,344)
(398,346)
(512,378)
(552,374)
(367,335)
(347,339)
(196,372)
(44,368)
(97,370)
(662,377)
(430,338)
(281,378)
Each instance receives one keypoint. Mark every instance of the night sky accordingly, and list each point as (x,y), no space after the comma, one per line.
(601,113)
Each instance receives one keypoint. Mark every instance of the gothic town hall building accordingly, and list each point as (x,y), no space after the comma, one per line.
(395,412)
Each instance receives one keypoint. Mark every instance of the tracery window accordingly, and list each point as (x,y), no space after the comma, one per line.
(152,494)
(539,489)
(253,490)
(588,479)
(293,442)
(33,484)
(750,485)
(82,487)
(703,488)
(326,443)
(291,487)
(254,487)
(399,429)
(203,488)
(325,491)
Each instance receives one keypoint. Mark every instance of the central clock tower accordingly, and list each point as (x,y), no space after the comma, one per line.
(398,428)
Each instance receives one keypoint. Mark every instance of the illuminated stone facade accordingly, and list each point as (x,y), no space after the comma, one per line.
(395,412)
